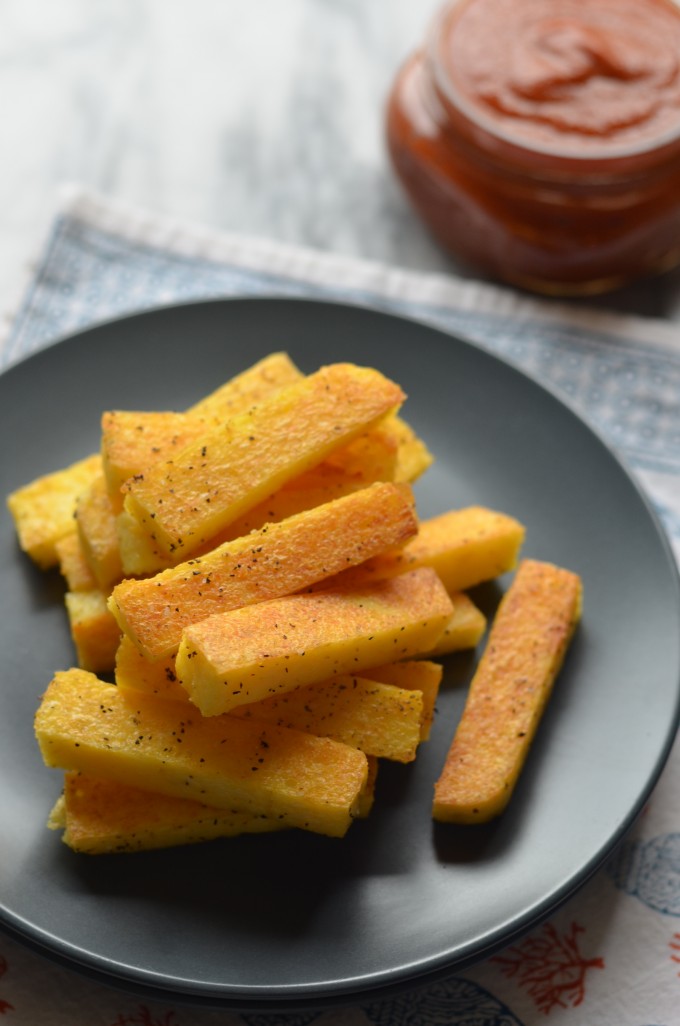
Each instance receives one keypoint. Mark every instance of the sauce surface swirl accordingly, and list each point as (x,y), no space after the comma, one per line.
(567,75)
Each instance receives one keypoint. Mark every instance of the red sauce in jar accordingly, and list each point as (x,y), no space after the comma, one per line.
(540,139)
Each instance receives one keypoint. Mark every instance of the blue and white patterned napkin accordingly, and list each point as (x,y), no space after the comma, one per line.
(612,954)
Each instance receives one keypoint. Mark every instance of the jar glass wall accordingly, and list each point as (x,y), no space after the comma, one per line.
(558,210)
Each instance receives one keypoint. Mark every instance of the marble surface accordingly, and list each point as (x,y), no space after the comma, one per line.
(261,117)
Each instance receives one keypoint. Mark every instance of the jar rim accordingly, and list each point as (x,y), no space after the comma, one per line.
(652,150)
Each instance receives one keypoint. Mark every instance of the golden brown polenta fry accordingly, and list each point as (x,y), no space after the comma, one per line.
(43,510)
(234,466)
(101,816)
(269,563)
(246,654)
(303,781)
(509,691)
(94,631)
(465,546)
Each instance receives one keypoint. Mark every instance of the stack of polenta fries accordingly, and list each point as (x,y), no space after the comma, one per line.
(254,574)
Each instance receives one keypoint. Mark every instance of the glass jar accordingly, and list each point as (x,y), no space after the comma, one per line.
(539,140)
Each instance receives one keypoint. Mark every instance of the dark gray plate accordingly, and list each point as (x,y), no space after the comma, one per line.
(296,920)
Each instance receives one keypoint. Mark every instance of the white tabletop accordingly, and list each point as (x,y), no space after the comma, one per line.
(261,117)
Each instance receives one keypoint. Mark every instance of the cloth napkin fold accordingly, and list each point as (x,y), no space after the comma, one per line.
(612,954)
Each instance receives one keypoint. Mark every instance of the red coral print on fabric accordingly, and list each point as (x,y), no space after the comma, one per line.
(4,1005)
(674,945)
(550,967)
(143,1017)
